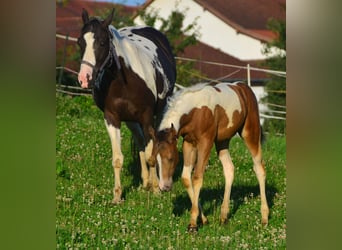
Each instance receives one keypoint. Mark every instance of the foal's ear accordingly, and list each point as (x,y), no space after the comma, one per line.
(173,134)
(109,18)
(85,16)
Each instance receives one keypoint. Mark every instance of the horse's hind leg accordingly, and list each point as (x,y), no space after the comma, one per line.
(140,141)
(228,171)
(252,138)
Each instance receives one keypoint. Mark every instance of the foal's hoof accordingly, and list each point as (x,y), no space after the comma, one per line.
(223,221)
(264,221)
(192,228)
(155,190)
(146,187)
(117,201)
(204,221)
(143,186)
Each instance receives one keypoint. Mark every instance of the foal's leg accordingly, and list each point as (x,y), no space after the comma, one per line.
(253,143)
(140,141)
(260,172)
(203,152)
(228,171)
(117,159)
(189,155)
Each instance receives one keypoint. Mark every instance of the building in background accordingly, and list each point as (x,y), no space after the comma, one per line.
(231,32)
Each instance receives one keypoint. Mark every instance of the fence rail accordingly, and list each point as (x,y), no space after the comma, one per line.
(67,89)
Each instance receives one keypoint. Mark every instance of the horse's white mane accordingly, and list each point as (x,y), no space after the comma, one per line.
(140,54)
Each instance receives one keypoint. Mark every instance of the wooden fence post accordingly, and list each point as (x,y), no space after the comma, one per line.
(248,75)
(63,60)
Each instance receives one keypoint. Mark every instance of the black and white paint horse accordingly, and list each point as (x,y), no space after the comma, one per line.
(132,71)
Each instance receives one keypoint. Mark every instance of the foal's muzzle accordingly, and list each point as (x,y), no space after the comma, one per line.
(165,186)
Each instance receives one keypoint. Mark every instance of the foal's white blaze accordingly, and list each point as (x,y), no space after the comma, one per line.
(89,56)
(161,180)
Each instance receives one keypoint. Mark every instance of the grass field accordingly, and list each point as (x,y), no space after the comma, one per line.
(85,218)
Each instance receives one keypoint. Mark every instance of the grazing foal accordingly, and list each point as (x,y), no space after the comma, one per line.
(132,71)
(205,114)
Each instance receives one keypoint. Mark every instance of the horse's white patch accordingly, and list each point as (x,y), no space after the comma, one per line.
(115,139)
(89,56)
(140,54)
(148,149)
(198,96)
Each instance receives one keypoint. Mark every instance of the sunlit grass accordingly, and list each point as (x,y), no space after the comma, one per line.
(85,218)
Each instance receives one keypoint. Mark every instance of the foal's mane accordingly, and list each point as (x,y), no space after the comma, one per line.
(201,94)
(176,104)
(177,97)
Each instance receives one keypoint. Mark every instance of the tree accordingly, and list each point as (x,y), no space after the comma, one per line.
(179,36)
(276,87)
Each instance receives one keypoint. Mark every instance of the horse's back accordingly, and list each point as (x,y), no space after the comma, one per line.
(148,53)
(164,51)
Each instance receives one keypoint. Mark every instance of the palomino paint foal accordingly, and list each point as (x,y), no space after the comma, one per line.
(205,114)
(132,72)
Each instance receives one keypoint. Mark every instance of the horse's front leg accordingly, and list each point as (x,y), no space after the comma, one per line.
(140,141)
(150,158)
(117,159)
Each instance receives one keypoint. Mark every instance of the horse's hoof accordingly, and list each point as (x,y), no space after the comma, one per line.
(192,228)
(264,222)
(223,221)
(205,221)
(117,201)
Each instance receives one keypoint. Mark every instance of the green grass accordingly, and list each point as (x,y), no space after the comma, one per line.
(85,218)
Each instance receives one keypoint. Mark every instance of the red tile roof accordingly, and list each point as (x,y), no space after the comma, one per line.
(68,15)
(246,15)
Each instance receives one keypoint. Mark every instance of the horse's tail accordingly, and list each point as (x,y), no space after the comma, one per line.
(134,150)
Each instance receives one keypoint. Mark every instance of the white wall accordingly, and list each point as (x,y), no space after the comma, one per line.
(212,30)
(259,92)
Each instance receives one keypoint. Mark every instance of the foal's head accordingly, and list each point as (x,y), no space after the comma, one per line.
(94,43)
(167,157)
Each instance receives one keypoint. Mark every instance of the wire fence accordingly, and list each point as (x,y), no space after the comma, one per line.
(264,113)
